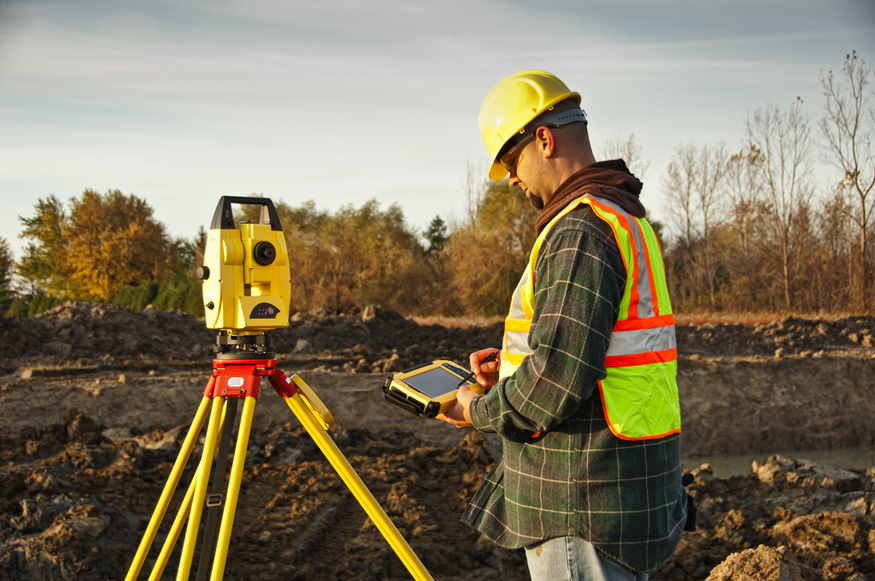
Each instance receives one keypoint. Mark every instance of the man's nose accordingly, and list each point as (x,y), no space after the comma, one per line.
(514,181)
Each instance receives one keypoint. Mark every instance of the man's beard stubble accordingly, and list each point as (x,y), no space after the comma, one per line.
(536,202)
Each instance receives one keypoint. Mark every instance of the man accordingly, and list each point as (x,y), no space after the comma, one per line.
(586,401)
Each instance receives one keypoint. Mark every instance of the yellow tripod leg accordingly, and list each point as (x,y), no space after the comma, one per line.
(173,535)
(316,429)
(233,489)
(203,479)
(169,489)
(179,521)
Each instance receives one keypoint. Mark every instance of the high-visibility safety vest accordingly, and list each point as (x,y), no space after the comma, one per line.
(639,394)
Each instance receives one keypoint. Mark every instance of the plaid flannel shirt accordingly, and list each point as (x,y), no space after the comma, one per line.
(576,479)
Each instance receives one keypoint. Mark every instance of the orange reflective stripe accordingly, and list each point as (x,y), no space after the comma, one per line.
(650,277)
(599,210)
(648,323)
(645,277)
(641,358)
(634,272)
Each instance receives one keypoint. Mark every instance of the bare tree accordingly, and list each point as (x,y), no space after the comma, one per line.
(473,188)
(615,147)
(744,189)
(848,125)
(678,187)
(784,138)
(693,184)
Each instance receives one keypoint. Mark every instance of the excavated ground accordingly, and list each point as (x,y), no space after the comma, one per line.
(96,400)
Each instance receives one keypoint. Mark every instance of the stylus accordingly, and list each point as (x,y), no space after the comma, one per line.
(489,358)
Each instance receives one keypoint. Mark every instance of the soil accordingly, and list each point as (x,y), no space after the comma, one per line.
(96,401)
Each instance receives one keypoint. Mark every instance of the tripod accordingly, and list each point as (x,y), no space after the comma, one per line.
(237,372)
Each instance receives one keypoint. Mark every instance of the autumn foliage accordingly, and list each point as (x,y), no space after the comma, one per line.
(103,243)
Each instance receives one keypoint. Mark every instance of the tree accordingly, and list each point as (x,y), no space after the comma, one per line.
(436,235)
(784,139)
(105,243)
(6,265)
(112,240)
(617,148)
(44,263)
(489,252)
(693,184)
(351,259)
(744,232)
(848,125)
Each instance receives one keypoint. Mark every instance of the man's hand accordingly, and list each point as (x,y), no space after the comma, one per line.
(460,415)
(484,372)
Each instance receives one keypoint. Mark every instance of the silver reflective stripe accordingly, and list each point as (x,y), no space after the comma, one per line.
(518,342)
(645,299)
(516,303)
(642,341)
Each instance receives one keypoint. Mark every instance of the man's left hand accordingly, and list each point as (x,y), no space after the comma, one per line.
(460,415)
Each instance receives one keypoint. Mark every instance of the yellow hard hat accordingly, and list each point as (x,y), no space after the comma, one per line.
(512,104)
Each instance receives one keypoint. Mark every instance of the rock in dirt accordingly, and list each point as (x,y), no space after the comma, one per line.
(761,564)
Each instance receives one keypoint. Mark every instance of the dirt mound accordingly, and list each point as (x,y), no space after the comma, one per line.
(87,334)
(377,341)
(76,499)
(762,564)
(791,335)
(733,406)
(787,520)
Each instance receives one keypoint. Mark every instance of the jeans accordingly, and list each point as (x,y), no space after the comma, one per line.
(573,559)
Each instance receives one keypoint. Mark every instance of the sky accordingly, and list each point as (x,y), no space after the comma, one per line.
(180,103)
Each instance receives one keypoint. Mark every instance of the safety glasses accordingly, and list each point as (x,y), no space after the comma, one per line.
(509,160)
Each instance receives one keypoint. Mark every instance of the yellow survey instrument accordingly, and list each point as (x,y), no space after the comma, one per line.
(246,275)
(242,275)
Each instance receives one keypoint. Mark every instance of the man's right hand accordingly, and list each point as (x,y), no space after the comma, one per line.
(484,373)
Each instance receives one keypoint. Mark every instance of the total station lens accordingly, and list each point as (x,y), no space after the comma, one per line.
(264,253)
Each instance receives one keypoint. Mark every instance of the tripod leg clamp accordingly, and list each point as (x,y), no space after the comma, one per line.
(282,384)
(289,386)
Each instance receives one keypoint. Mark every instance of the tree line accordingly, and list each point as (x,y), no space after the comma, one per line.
(746,230)
(752,231)
(109,247)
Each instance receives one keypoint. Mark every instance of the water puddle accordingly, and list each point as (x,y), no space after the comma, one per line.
(847,458)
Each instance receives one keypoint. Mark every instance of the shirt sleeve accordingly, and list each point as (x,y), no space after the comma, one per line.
(579,283)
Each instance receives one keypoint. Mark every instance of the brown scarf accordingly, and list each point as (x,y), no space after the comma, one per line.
(605,179)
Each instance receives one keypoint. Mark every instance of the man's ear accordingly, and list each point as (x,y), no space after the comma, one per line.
(545,141)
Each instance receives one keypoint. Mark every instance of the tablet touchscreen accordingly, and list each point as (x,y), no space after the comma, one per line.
(434,382)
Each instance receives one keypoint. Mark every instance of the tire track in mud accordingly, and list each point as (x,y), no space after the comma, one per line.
(345,522)
(293,517)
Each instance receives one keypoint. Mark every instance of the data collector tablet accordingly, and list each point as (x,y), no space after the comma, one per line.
(428,389)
